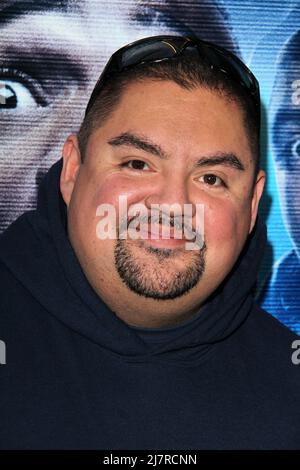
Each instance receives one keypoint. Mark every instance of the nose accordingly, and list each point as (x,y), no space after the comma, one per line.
(172,191)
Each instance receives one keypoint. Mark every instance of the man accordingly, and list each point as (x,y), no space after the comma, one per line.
(140,343)
(281,295)
(51,54)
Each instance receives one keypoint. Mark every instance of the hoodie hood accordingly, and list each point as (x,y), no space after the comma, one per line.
(37,251)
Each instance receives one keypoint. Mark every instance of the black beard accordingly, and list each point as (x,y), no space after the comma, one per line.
(134,275)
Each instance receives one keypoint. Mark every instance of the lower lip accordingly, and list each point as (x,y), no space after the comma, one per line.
(152,239)
(164,242)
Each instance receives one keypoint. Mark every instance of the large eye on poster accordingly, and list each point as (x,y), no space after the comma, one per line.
(149,227)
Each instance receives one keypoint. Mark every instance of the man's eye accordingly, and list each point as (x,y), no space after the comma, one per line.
(135,164)
(18,91)
(14,95)
(212,180)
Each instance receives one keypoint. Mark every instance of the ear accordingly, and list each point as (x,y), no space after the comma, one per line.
(71,165)
(257,193)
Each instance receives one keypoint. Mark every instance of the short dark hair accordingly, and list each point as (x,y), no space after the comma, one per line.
(187,72)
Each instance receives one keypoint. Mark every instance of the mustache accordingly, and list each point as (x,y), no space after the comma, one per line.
(162,219)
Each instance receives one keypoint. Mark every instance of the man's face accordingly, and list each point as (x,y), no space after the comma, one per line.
(286,146)
(161,278)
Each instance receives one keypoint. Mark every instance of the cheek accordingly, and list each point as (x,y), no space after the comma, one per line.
(109,190)
(222,239)
(220,223)
(106,190)
(226,225)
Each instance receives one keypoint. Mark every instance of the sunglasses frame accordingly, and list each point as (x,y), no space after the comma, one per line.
(216,56)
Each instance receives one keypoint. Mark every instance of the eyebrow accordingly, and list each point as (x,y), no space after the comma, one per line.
(16,8)
(143,143)
(62,63)
(148,15)
(139,142)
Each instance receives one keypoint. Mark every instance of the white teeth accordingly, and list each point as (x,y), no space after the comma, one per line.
(158,225)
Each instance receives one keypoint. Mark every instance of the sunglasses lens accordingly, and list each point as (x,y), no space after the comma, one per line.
(152,51)
(228,64)
(244,75)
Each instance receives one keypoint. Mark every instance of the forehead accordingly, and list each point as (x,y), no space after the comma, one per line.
(89,13)
(180,120)
(147,13)
(76,55)
(285,101)
(172,15)
(40,28)
(147,95)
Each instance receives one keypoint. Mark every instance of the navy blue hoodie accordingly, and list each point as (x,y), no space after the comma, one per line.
(78,377)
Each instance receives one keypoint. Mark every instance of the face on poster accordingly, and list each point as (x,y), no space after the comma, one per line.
(52,53)
(281,294)
(285,133)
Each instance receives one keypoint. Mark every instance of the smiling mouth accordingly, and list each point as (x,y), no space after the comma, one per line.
(161,238)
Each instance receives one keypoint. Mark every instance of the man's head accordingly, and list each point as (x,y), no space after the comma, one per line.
(285,125)
(181,133)
(177,59)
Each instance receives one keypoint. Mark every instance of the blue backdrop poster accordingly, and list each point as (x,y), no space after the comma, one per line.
(52,52)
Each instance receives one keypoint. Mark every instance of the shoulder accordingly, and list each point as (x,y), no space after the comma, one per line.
(269,364)
(270,347)
(16,301)
(266,331)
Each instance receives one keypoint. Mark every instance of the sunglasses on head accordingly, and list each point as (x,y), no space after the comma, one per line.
(163,48)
